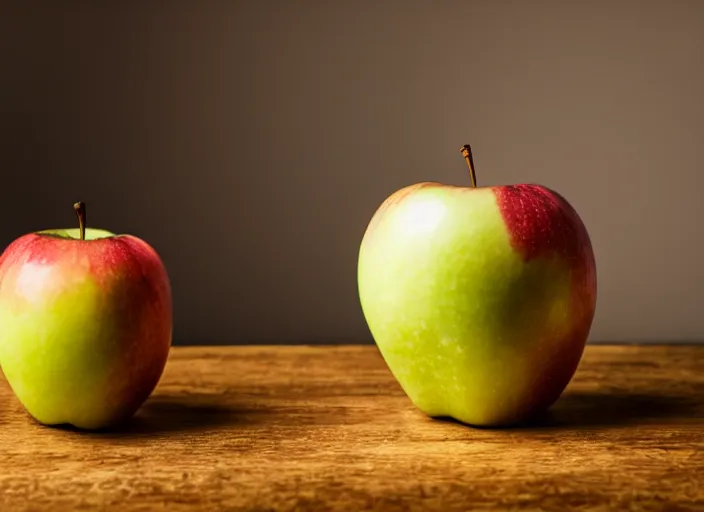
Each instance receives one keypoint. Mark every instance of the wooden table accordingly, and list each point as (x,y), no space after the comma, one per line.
(327,428)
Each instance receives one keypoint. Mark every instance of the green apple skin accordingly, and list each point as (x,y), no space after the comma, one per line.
(480,300)
(85,325)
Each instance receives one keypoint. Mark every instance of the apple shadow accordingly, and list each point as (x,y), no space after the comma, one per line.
(612,409)
(178,413)
(618,409)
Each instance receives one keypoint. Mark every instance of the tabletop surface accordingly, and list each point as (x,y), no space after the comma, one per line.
(328,428)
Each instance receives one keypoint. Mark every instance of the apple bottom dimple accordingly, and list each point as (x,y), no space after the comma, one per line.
(84,397)
(105,409)
(503,390)
(90,388)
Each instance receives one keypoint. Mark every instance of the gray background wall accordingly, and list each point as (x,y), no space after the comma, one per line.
(250,142)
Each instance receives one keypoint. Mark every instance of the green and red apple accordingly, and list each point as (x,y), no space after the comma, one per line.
(480,299)
(85,324)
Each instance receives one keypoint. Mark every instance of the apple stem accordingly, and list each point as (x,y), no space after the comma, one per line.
(467,154)
(80,208)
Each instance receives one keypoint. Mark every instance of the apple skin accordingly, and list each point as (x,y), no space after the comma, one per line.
(480,300)
(85,325)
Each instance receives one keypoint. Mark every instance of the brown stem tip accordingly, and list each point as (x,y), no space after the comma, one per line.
(467,154)
(80,209)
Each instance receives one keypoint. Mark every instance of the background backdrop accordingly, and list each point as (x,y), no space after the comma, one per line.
(250,142)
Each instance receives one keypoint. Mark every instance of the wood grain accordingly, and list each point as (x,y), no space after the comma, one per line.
(327,428)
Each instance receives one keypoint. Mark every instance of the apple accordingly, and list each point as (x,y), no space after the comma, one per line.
(85,324)
(480,299)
